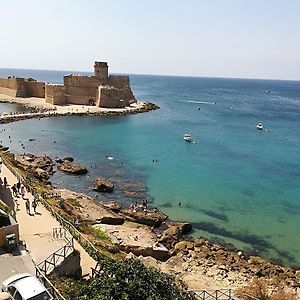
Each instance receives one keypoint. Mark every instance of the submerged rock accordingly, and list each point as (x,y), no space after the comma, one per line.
(103,185)
(72,168)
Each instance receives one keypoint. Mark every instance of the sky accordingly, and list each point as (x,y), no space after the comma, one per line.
(208,38)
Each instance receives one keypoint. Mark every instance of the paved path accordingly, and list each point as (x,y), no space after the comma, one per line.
(36,229)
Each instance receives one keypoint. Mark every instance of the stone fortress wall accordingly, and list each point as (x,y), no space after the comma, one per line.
(21,87)
(102,89)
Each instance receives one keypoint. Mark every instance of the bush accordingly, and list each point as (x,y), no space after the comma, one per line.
(260,289)
(128,280)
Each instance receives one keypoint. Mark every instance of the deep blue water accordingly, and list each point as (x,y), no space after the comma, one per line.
(236,184)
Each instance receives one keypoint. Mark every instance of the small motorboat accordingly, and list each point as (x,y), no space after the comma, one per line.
(259,126)
(187,137)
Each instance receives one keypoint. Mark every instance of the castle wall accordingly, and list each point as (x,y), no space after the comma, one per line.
(101,71)
(55,94)
(81,89)
(118,81)
(111,97)
(35,89)
(14,87)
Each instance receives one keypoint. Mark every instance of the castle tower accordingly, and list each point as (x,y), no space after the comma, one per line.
(101,70)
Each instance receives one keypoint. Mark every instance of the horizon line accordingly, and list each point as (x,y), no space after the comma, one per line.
(166,75)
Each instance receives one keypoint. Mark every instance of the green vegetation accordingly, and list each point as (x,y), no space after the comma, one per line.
(97,233)
(126,280)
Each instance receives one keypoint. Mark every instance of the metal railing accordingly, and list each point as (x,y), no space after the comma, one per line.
(56,258)
(59,233)
(224,294)
(48,285)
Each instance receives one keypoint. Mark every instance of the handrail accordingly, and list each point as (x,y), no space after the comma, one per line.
(51,261)
(220,294)
(47,283)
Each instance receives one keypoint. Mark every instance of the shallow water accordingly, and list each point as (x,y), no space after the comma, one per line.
(236,184)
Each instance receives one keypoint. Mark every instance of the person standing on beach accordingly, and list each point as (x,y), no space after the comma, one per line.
(27,204)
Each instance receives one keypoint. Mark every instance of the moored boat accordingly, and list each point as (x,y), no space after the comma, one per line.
(187,137)
(259,126)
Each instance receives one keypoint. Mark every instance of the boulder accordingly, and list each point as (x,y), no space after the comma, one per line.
(175,231)
(68,158)
(183,245)
(72,168)
(148,217)
(111,220)
(113,205)
(103,185)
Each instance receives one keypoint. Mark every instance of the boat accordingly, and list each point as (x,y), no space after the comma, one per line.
(187,137)
(259,126)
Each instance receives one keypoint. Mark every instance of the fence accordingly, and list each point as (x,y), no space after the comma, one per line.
(215,294)
(48,285)
(56,258)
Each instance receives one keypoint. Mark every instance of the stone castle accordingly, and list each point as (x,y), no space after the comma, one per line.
(102,89)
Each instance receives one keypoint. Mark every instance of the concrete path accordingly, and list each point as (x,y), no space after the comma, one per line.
(36,228)
(16,263)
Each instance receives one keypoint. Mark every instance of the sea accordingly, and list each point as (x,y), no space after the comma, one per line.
(237,185)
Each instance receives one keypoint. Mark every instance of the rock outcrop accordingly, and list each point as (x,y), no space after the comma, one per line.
(148,217)
(38,166)
(72,168)
(103,185)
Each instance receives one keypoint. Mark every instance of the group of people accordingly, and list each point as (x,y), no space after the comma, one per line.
(32,111)
(138,207)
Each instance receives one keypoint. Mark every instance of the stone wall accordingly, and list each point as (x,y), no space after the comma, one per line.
(118,81)
(14,87)
(111,97)
(101,71)
(55,94)
(81,89)
(35,89)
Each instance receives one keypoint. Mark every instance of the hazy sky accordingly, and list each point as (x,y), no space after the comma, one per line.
(219,38)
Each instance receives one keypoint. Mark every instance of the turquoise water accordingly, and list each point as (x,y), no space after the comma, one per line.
(236,185)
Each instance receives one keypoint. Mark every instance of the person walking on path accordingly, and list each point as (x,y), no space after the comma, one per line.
(18,186)
(5,182)
(23,191)
(14,190)
(27,204)
(34,205)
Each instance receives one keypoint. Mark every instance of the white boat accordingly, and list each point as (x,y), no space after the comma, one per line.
(259,126)
(187,137)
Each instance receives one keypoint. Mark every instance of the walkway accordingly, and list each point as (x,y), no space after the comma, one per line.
(36,229)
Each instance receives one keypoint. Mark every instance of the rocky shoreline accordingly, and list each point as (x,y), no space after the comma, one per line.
(157,242)
(147,106)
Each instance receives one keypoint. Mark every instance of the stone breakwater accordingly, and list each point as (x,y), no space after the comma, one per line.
(123,112)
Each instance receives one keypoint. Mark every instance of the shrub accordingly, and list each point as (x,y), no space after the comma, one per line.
(260,289)
(128,280)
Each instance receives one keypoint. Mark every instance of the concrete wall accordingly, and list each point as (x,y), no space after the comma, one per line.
(13,228)
(55,94)
(35,89)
